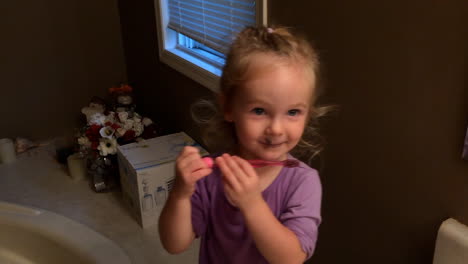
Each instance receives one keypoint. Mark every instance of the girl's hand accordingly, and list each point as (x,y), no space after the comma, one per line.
(189,169)
(241,182)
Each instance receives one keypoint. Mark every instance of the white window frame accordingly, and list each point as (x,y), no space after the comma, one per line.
(178,59)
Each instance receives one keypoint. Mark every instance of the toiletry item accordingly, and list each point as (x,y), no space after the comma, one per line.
(289,163)
(7,151)
(208,161)
(76,166)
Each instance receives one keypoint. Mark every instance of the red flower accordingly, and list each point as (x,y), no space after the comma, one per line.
(115,126)
(93,133)
(94,129)
(124,88)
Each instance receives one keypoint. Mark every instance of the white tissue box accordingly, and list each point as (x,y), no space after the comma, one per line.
(147,172)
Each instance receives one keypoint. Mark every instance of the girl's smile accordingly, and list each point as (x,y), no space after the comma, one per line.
(267,142)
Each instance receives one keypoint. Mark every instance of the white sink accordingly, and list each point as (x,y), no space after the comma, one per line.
(30,236)
(452,243)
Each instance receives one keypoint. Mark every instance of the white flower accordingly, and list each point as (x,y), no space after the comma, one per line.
(120,132)
(107,146)
(136,119)
(97,119)
(106,132)
(92,109)
(84,141)
(128,124)
(146,121)
(138,128)
(123,116)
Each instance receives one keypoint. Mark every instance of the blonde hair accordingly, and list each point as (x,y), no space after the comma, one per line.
(218,134)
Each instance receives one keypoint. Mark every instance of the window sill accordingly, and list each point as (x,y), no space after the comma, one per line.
(199,70)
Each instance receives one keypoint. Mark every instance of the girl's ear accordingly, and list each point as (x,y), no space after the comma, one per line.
(225,108)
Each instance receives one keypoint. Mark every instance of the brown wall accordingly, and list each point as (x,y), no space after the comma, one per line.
(392,170)
(55,55)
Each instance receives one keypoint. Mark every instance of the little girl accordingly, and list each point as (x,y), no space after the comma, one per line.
(244,214)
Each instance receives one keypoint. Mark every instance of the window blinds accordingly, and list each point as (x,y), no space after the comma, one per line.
(214,23)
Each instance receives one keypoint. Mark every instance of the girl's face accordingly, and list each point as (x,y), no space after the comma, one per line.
(270,110)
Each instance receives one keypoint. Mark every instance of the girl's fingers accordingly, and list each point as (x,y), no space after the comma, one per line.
(238,171)
(201,173)
(228,175)
(227,183)
(245,166)
(228,191)
(188,160)
(186,152)
(194,165)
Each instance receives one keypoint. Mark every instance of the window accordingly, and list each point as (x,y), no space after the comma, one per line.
(194,35)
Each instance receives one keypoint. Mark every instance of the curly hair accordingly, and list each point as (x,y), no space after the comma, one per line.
(218,134)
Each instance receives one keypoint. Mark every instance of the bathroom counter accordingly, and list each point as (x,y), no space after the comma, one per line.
(36,179)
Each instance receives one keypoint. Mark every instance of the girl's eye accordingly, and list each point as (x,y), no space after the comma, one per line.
(258,111)
(294,112)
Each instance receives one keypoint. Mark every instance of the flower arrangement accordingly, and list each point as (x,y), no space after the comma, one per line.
(106,128)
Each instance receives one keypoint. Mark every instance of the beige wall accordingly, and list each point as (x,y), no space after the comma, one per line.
(55,55)
(392,168)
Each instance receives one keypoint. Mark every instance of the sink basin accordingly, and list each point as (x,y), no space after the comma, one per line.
(30,236)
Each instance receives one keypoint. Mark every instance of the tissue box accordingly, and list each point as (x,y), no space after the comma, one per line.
(147,172)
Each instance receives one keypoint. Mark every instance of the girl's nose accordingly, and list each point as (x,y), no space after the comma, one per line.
(275,127)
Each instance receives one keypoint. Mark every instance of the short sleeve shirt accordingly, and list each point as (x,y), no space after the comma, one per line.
(294,198)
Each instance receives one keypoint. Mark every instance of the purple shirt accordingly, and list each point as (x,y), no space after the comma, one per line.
(294,197)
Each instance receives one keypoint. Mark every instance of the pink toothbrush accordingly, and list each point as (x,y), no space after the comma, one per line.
(289,163)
